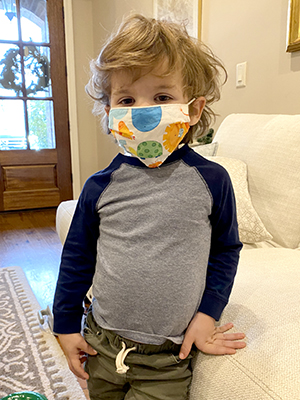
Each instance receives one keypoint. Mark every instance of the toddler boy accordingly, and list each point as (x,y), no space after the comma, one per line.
(156,231)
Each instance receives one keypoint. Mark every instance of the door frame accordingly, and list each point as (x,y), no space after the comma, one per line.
(61,107)
(72,96)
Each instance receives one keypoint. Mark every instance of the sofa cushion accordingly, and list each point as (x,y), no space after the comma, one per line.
(204,150)
(264,304)
(251,228)
(270,146)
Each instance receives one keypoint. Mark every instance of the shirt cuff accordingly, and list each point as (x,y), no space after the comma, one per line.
(212,305)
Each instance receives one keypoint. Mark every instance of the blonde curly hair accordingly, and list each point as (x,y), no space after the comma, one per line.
(141,44)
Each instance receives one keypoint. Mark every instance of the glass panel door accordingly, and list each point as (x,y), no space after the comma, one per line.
(26,103)
(35,159)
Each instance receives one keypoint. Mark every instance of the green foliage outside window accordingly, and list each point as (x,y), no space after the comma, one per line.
(37,124)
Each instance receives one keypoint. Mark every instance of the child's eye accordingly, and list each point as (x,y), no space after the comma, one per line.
(163,98)
(128,101)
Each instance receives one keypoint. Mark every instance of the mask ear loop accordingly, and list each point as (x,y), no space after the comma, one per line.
(191,101)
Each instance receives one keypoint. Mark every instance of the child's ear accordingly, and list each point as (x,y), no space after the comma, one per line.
(107,109)
(196,109)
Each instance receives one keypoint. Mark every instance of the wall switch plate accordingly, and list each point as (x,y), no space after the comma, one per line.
(241,70)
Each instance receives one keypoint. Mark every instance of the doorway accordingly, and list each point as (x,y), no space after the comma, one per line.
(35,160)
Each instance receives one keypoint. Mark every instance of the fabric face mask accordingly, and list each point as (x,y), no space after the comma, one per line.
(150,133)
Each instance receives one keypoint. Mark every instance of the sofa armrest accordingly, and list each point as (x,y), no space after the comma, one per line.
(64,215)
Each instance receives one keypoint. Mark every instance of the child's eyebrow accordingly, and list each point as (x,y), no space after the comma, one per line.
(120,91)
(125,90)
(164,86)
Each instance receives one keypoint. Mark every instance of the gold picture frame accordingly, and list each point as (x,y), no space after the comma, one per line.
(173,10)
(293,40)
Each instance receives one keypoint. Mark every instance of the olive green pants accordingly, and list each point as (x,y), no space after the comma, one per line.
(146,372)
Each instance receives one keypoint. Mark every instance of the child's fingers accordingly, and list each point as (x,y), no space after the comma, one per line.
(217,349)
(220,333)
(230,336)
(231,343)
(224,328)
(77,368)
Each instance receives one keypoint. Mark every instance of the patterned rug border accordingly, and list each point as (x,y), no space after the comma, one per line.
(57,380)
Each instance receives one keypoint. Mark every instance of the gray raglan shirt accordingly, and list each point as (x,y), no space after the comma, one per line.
(159,244)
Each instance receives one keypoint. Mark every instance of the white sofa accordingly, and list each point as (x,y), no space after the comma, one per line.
(262,156)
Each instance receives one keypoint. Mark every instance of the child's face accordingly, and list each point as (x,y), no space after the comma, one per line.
(151,89)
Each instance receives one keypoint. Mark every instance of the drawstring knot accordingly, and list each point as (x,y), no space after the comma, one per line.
(120,359)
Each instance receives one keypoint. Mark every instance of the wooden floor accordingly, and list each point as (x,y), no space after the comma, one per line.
(28,239)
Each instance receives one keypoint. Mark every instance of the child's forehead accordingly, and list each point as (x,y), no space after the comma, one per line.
(125,78)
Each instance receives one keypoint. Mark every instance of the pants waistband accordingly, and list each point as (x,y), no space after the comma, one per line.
(141,348)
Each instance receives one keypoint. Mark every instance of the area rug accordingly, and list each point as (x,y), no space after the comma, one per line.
(30,357)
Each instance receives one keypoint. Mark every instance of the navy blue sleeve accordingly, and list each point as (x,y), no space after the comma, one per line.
(225,243)
(224,252)
(78,262)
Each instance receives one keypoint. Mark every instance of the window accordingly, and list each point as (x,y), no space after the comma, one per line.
(26,103)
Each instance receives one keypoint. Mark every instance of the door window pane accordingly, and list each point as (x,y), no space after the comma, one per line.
(12,126)
(37,71)
(26,113)
(41,127)
(34,22)
(8,22)
(10,71)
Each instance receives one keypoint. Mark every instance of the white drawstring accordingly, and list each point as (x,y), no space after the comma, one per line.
(121,367)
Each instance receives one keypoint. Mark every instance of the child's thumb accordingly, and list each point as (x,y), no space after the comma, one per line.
(185,347)
(89,350)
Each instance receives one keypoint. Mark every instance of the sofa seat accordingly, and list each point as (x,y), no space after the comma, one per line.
(265,304)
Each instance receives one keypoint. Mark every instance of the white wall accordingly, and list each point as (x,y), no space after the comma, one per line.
(253,31)
(107,15)
(88,23)
(80,49)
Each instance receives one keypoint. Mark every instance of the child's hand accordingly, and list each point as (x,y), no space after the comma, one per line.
(75,349)
(210,339)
